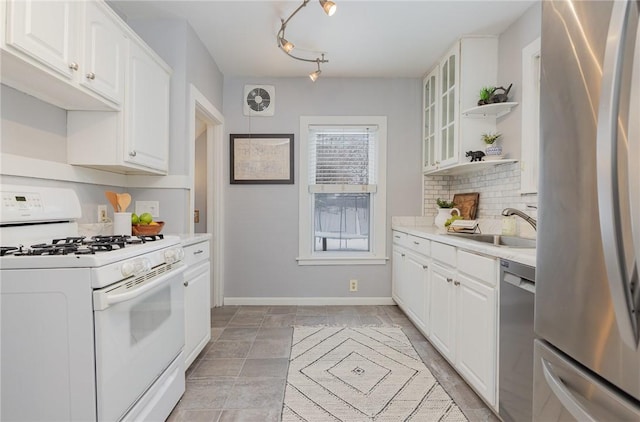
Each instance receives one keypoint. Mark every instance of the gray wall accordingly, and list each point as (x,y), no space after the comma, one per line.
(261,226)
(511,42)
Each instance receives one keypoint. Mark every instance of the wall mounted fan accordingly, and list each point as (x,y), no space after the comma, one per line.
(259,100)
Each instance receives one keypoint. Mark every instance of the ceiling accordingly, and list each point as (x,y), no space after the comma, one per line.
(362,39)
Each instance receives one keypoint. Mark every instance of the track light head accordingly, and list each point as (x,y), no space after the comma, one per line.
(328,6)
(287,46)
(315,75)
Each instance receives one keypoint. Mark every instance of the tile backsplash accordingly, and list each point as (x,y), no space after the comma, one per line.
(499,188)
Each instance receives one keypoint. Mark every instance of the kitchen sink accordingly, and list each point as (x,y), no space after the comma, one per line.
(499,240)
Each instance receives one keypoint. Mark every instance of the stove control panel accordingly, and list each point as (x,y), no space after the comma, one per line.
(29,204)
(21,201)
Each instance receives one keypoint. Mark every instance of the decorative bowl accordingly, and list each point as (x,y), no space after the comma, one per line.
(147,229)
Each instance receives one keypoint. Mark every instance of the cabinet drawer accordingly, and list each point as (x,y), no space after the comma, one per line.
(444,253)
(196,253)
(477,266)
(400,238)
(418,244)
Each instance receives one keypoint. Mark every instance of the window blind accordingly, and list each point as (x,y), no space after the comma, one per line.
(342,159)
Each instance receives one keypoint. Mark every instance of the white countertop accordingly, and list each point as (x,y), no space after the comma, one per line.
(190,239)
(521,255)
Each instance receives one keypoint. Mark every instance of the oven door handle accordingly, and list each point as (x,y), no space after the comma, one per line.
(104,299)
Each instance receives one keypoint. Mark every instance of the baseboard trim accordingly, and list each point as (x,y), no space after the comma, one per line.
(307,301)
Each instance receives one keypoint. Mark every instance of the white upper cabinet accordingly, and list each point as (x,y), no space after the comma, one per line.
(104,53)
(470,64)
(117,65)
(136,139)
(147,111)
(44,31)
(68,53)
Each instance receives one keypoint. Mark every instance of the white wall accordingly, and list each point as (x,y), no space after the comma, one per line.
(32,128)
(261,221)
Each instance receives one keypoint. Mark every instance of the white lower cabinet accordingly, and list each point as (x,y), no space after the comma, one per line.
(443,310)
(476,342)
(417,272)
(451,296)
(197,307)
(399,283)
(411,284)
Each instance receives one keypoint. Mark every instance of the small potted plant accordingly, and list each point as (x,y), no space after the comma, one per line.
(485,95)
(492,149)
(442,203)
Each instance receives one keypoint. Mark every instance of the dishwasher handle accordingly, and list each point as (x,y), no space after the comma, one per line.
(519,282)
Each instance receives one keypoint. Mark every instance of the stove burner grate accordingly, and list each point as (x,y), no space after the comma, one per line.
(79,245)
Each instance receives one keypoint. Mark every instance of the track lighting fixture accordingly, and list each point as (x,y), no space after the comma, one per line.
(329,8)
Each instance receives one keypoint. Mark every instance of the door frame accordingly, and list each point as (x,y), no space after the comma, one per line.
(201,107)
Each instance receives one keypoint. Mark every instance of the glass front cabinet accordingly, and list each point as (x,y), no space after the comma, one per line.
(429,129)
(451,86)
(449,106)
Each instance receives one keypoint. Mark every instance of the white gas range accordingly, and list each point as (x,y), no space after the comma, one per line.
(92,329)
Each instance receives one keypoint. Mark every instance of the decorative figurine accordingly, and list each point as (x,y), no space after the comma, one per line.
(501,97)
(475,155)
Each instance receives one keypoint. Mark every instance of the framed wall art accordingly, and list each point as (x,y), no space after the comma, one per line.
(261,158)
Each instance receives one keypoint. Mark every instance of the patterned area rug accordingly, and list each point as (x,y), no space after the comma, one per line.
(361,374)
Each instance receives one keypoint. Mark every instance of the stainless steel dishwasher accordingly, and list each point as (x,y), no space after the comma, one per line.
(517,296)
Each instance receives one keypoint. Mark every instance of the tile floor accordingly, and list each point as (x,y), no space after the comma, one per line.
(240,375)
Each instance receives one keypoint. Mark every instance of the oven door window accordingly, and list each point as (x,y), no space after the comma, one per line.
(136,339)
(148,317)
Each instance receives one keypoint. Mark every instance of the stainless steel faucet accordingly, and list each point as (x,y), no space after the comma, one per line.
(512,211)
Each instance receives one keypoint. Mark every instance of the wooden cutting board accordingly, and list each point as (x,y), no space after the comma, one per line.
(467,203)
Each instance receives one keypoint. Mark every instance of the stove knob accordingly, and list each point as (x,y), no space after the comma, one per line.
(135,267)
(173,255)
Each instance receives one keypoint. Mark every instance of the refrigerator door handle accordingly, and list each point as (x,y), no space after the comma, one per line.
(609,205)
(575,406)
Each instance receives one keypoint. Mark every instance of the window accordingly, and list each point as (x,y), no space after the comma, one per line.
(342,190)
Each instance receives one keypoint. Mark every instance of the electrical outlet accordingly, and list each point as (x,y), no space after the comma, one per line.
(353,285)
(102,213)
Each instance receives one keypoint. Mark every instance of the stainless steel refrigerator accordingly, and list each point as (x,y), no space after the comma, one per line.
(587,310)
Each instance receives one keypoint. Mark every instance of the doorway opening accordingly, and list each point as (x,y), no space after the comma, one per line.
(206,214)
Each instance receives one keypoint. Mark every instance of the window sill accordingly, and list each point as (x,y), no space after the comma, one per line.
(336,260)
